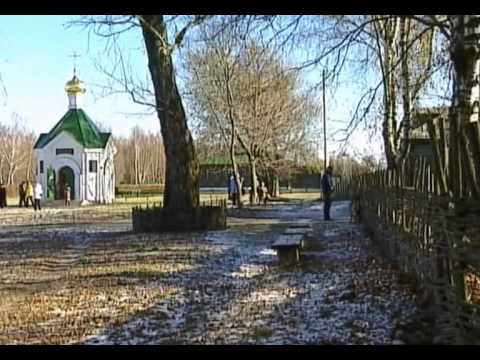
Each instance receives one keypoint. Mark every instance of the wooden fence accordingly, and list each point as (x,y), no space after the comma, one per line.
(433,239)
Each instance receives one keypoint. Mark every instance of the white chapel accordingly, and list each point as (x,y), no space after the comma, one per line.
(77,153)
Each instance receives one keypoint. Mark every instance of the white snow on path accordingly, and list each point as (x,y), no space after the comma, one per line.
(240,295)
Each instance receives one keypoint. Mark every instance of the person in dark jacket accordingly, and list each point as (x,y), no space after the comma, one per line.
(229,185)
(327,189)
(22,194)
(260,192)
(3,196)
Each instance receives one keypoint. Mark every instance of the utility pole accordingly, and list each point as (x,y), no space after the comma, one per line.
(324,125)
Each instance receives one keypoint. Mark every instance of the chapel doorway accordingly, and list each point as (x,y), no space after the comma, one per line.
(66,176)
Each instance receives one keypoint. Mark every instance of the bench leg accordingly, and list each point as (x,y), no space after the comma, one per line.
(288,255)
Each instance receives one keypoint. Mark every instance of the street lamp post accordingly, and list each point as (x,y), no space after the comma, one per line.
(325,164)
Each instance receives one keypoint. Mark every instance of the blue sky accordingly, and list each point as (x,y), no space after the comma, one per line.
(35,64)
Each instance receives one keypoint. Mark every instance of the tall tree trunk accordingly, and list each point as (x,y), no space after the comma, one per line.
(253,177)
(135,146)
(275,189)
(1,169)
(182,167)
(29,165)
(404,136)
(233,135)
(438,162)
(233,160)
(385,33)
(236,175)
(464,55)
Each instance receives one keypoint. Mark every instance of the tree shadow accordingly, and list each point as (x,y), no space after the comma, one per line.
(213,275)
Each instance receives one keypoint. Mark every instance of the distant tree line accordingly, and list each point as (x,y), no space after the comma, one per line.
(140,158)
(17,161)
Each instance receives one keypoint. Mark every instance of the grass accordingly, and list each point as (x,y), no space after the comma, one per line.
(47,299)
(155,200)
(302,196)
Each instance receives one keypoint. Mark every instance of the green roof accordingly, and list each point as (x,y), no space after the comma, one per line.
(77,123)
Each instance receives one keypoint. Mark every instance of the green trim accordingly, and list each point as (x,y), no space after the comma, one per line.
(76,123)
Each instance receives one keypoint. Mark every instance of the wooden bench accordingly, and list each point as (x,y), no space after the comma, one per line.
(287,247)
(306,232)
(288,244)
(304,229)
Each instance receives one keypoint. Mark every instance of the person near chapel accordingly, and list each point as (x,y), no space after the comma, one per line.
(67,194)
(327,189)
(38,196)
(3,195)
(22,194)
(29,193)
(265,194)
(229,185)
(260,192)
(233,190)
(244,188)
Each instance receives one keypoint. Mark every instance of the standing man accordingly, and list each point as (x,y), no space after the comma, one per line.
(266,195)
(3,195)
(327,189)
(260,193)
(234,190)
(38,196)
(229,185)
(22,193)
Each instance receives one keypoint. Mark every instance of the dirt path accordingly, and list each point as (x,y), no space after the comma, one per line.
(240,295)
(101,284)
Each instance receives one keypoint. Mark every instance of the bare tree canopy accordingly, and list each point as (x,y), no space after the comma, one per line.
(401,64)
(17,161)
(182,169)
(240,86)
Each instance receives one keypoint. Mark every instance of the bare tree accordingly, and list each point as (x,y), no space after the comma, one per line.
(182,168)
(464,168)
(247,95)
(16,152)
(457,164)
(400,53)
(140,158)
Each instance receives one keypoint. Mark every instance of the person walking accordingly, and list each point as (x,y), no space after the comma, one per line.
(67,194)
(29,194)
(327,189)
(38,196)
(229,185)
(234,190)
(266,196)
(22,193)
(3,195)
(260,192)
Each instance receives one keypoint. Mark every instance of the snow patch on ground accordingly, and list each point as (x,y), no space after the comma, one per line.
(242,296)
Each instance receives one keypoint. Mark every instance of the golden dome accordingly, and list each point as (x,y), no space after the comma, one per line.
(75,86)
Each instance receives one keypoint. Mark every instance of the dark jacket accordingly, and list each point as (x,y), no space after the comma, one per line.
(327,185)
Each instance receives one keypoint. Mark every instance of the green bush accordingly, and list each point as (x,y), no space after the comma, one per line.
(130,190)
